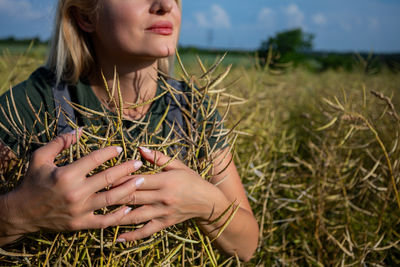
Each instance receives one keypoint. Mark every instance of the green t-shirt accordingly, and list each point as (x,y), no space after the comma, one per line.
(33,100)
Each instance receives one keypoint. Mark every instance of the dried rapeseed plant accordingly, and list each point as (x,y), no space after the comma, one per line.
(177,244)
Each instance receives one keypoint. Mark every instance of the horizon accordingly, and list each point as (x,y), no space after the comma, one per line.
(208,49)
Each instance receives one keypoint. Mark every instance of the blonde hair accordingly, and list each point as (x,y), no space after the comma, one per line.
(71,54)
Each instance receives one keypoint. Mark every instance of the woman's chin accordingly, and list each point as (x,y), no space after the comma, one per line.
(154,52)
(167,50)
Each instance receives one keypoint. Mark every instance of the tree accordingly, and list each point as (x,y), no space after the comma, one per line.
(288,44)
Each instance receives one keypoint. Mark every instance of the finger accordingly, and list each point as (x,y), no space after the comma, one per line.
(104,221)
(49,152)
(122,181)
(93,160)
(142,214)
(113,196)
(160,159)
(148,229)
(153,181)
(140,197)
(108,177)
(150,182)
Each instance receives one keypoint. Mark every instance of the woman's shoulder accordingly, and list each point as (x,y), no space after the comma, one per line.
(24,105)
(36,87)
(22,101)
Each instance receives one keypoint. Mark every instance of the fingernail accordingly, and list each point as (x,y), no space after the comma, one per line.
(145,149)
(139,182)
(119,149)
(120,240)
(137,164)
(127,210)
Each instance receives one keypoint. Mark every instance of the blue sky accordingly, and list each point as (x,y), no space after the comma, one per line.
(340,25)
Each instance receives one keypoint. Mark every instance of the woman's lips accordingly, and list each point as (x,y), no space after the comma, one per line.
(162,28)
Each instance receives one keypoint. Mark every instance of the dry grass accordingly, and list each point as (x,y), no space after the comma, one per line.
(321,166)
(16,67)
(319,158)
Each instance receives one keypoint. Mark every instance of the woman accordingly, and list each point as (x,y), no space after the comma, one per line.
(136,37)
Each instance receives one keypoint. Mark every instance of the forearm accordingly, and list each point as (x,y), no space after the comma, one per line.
(240,236)
(7,228)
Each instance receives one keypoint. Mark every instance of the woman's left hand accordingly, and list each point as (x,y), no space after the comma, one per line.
(167,198)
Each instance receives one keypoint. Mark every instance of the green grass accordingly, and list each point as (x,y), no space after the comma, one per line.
(36,51)
(17,62)
(238,60)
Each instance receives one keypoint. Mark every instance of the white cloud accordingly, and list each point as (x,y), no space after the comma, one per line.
(319,19)
(217,17)
(266,17)
(220,17)
(201,19)
(20,9)
(295,16)
(265,14)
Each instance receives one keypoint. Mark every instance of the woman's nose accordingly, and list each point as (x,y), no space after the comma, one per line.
(160,7)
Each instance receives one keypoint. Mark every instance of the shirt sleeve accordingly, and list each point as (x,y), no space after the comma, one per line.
(22,115)
(14,118)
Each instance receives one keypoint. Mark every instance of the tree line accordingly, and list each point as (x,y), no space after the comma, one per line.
(292,47)
(11,40)
(296,47)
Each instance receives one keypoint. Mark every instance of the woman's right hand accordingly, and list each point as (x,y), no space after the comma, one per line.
(64,198)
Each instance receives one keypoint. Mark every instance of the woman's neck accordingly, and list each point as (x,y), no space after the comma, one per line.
(137,84)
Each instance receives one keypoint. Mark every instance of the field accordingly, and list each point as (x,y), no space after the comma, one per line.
(318,154)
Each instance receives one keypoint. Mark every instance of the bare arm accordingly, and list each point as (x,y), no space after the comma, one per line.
(241,235)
